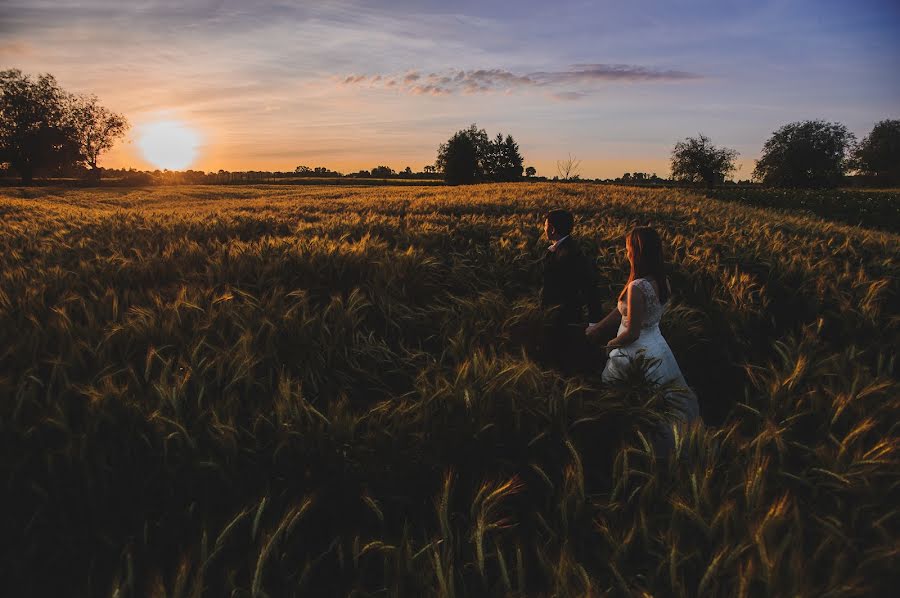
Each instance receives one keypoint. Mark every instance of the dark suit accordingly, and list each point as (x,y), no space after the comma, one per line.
(570,284)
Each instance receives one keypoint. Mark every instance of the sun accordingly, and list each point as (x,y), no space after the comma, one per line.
(168,144)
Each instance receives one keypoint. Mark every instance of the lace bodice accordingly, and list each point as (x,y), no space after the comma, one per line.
(654,310)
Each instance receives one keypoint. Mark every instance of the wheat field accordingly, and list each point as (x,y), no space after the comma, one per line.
(327,391)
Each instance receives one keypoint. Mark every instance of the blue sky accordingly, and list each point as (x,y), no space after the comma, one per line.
(350,85)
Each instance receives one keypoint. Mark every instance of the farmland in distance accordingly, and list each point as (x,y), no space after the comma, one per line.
(275,390)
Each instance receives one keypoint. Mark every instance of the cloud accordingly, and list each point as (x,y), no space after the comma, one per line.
(479,81)
(587,73)
(568,96)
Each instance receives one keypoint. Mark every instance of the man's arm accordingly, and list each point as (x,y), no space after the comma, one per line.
(607,326)
(588,280)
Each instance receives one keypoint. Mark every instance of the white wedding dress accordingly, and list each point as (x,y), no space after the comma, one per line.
(664,369)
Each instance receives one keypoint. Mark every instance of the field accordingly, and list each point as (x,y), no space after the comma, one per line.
(276,391)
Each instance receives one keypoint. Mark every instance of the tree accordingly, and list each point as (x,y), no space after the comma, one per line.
(509,161)
(96,127)
(697,160)
(462,159)
(470,157)
(811,153)
(568,168)
(430,169)
(35,131)
(530,171)
(382,172)
(879,153)
(303,170)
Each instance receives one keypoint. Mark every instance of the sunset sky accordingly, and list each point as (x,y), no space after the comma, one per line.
(350,85)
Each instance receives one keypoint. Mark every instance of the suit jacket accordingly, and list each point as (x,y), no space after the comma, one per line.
(570,283)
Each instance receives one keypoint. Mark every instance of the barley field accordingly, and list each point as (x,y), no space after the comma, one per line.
(327,391)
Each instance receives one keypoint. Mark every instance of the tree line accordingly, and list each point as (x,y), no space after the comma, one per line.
(806,154)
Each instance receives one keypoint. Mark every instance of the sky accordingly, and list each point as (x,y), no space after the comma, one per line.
(351,85)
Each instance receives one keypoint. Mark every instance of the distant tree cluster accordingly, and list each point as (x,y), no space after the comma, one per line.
(807,154)
(378,172)
(43,128)
(640,177)
(317,172)
(470,156)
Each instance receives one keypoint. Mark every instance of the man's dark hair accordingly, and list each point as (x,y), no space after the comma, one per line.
(562,221)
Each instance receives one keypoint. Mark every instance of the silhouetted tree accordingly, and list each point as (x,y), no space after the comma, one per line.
(812,153)
(530,171)
(381,172)
(879,153)
(509,161)
(303,170)
(35,131)
(568,168)
(97,128)
(463,156)
(697,160)
(470,157)
(430,169)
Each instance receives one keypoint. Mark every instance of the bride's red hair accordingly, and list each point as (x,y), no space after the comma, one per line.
(646,260)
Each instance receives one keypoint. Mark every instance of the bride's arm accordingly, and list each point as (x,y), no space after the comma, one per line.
(636,315)
(611,320)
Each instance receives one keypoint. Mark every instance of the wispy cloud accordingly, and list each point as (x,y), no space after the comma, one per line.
(452,81)
(588,73)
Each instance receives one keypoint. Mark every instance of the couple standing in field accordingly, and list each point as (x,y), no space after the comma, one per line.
(570,285)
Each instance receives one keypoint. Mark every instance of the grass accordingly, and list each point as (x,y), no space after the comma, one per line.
(274,391)
(873,208)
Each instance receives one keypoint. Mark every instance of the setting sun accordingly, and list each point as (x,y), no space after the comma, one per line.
(169,144)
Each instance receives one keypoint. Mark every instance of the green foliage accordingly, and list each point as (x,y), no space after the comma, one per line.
(811,153)
(36,132)
(251,391)
(44,128)
(382,171)
(470,157)
(879,153)
(697,160)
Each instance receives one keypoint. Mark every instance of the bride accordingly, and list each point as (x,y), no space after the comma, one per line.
(640,307)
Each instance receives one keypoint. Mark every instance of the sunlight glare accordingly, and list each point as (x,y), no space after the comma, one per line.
(169,144)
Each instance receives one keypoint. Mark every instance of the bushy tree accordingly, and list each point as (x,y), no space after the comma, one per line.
(35,129)
(43,127)
(463,157)
(530,171)
(697,160)
(96,129)
(381,172)
(879,153)
(470,156)
(811,153)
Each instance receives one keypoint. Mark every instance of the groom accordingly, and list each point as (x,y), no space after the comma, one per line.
(569,285)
